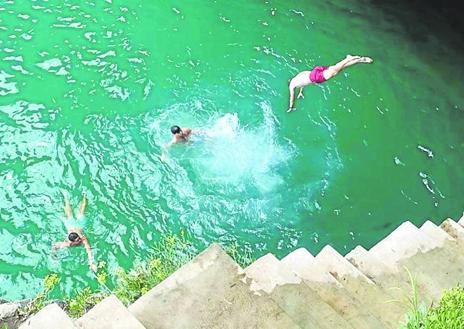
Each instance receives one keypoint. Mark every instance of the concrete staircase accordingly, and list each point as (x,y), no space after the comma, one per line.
(364,289)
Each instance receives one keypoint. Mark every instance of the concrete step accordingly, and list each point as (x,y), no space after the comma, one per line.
(372,296)
(303,264)
(435,232)
(447,256)
(265,274)
(404,242)
(289,291)
(208,292)
(402,248)
(397,283)
(422,251)
(454,229)
(461,221)
(110,313)
(50,317)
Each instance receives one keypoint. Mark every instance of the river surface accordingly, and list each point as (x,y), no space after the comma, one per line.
(90,89)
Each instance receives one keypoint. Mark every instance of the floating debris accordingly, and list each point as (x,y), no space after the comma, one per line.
(398,162)
(300,13)
(426,150)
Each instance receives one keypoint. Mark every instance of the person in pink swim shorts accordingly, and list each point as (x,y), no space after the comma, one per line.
(321,74)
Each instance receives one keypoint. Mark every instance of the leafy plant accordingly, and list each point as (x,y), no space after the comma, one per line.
(49,283)
(167,255)
(82,301)
(449,313)
(85,299)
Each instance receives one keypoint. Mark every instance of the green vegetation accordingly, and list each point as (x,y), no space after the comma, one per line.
(82,301)
(416,309)
(38,302)
(449,314)
(167,255)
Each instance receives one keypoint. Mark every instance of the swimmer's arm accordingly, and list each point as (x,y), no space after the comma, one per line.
(88,249)
(199,132)
(164,151)
(59,245)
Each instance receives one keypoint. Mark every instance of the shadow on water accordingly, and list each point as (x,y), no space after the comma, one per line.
(425,21)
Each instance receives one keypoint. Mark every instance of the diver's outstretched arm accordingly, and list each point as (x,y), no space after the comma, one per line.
(292,98)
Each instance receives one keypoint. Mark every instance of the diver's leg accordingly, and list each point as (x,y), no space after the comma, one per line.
(300,94)
(83,205)
(67,205)
(333,70)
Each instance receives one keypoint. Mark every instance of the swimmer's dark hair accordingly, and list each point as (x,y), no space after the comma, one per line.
(175,130)
(73,236)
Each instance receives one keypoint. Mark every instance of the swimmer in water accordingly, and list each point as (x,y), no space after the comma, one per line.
(180,135)
(75,227)
(321,74)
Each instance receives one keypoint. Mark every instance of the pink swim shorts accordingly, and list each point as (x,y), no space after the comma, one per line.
(316,75)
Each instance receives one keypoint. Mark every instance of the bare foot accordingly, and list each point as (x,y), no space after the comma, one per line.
(300,96)
(291,110)
(367,60)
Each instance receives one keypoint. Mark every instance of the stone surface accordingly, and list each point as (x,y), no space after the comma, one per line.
(370,295)
(367,263)
(50,317)
(404,242)
(436,233)
(266,274)
(461,221)
(110,313)
(446,256)
(397,283)
(208,292)
(453,229)
(289,291)
(8,310)
(302,263)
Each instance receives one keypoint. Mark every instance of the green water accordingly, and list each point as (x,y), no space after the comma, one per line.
(89,91)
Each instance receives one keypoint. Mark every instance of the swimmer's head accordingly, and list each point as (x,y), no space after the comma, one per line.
(176,130)
(74,237)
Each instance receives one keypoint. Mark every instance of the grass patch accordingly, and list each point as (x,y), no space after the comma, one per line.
(448,314)
(167,255)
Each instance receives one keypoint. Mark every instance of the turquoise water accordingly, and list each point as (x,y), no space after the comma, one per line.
(89,91)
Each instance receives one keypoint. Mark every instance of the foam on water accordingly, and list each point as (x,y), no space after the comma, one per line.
(242,157)
(228,153)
